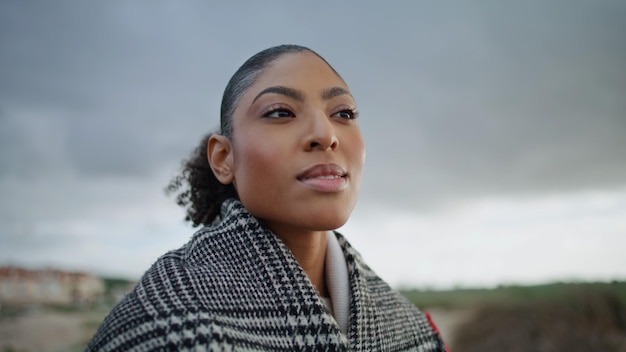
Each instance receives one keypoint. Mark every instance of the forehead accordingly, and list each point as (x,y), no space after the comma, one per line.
(303,70)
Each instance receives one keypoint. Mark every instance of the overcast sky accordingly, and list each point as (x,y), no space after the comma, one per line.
(495,130)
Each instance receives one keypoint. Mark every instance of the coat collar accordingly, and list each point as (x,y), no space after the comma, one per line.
(264,273)
(245,252)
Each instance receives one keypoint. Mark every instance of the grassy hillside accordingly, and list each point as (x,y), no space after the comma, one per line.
(511,295)
(551,317)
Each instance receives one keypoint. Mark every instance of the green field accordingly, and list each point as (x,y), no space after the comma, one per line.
(514,295)
(549,317)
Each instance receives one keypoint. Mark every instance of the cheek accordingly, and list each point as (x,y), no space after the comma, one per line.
(356,150)
(259,156)
(260,177)
(255,166)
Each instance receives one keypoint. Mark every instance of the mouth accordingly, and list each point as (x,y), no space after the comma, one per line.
(327,178)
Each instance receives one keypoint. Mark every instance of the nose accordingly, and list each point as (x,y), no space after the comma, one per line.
(321,134)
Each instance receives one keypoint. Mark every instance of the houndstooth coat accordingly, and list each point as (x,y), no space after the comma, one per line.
(236,287)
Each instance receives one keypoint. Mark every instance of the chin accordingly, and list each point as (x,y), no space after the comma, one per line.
(329,221)
(336,217)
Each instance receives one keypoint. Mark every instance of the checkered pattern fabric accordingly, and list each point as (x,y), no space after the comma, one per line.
(236,287)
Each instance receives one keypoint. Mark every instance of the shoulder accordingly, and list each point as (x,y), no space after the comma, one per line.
(129,327)
(182,295)
(186,278)
(164,310)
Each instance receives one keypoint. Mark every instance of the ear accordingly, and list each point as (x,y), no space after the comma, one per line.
(220,155)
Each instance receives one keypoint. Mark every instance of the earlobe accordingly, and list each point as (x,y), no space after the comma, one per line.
(219,153)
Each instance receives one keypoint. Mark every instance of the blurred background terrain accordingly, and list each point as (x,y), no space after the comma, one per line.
(50,310)
(496,156)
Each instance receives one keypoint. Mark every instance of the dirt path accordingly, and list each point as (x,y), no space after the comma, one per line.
(48,331)
(449,320)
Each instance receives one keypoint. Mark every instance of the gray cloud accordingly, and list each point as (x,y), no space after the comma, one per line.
(457,100)
(513,90)
(511,106)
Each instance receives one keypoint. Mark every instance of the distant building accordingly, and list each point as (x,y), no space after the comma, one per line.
(20,286)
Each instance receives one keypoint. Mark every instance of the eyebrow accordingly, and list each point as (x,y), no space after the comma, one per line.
(288,92)
(298,95)
(334,92)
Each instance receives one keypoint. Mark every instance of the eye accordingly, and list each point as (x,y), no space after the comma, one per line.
(348,114)
(279,113)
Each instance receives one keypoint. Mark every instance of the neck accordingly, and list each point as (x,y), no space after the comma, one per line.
(309,249)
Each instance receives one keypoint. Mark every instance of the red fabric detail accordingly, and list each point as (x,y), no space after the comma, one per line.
(434,326)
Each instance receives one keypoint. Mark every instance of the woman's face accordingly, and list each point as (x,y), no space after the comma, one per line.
(297,150)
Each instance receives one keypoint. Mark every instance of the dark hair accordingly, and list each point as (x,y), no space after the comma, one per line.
(198,189)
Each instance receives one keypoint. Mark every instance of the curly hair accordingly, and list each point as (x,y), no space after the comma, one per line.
(198,189)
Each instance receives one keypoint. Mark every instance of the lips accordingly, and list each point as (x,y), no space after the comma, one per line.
(324,178)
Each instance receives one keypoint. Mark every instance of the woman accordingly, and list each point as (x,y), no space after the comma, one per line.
(267,273)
